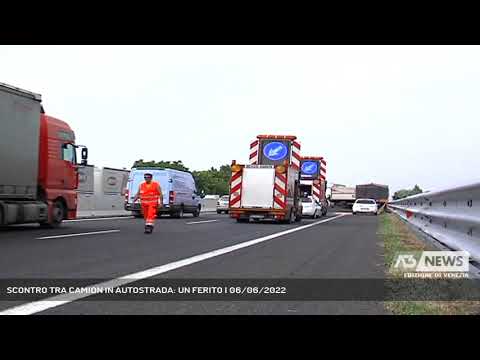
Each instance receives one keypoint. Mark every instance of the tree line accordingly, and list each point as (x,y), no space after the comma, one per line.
(216,181)
(212,181)
(403,193)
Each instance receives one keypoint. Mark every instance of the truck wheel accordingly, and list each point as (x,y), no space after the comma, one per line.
(219,212)
(242,220)
(58,215)
(298,218)
(290,219)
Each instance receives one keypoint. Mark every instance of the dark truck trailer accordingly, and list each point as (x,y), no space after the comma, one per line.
(377,192)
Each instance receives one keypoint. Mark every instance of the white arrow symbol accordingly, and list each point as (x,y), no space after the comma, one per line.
(274,151)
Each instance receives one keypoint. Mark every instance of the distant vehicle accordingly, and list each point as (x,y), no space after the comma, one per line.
(313,181)
(222,204)
(377,192)
(342,196)
(179,191)
(365,206)
(211,197)
(311,208)
(38,161)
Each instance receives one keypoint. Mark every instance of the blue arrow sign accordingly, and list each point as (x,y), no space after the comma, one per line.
(275,151)
(310,167)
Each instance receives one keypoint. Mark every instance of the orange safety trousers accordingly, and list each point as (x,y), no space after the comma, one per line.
(149,213)
(149,196)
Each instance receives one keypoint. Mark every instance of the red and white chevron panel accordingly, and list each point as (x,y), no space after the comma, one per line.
(317,191)
(280,191)
(254,152)
(295,157)
(323,169)
(235,189)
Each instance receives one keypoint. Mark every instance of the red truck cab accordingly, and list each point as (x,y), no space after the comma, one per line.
(58,172)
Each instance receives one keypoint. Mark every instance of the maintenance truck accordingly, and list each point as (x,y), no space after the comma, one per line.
(268,187)
(313,180)
(39,176)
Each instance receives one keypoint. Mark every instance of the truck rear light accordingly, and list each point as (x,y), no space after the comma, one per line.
(126,195)
(171,197)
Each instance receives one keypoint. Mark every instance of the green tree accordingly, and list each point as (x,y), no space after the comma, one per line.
(177,165)
(403,193)
(213,181)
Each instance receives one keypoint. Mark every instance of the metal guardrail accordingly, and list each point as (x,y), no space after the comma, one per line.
(451,216)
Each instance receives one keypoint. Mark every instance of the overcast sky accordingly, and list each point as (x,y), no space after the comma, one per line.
(395,115)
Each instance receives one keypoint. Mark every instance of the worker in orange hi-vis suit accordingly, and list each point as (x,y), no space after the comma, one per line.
(150,194)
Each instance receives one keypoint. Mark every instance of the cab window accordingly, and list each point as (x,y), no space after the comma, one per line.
(68,153)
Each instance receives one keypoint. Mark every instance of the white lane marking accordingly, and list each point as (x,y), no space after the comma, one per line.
(78,234)
(200,222)
(42,305)
(98,219)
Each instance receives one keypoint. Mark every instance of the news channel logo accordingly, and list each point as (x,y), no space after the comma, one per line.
(431,264)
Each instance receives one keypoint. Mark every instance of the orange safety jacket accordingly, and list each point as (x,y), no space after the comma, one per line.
(150,193)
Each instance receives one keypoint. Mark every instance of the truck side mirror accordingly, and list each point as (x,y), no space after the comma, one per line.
(84,156)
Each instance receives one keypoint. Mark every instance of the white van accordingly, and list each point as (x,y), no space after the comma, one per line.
(178,187)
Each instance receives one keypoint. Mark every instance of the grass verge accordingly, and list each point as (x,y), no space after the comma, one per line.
(398,237)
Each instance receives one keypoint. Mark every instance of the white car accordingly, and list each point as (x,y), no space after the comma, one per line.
(365,206)
(222,204)
(311,208)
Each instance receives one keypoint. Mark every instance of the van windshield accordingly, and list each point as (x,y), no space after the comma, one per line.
(159,176)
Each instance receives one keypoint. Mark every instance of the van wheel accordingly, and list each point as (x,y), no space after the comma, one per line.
(196,213)
(242,220)
(58,215)
(137,214)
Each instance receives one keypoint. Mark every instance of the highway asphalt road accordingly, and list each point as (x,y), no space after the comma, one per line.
(337,246)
